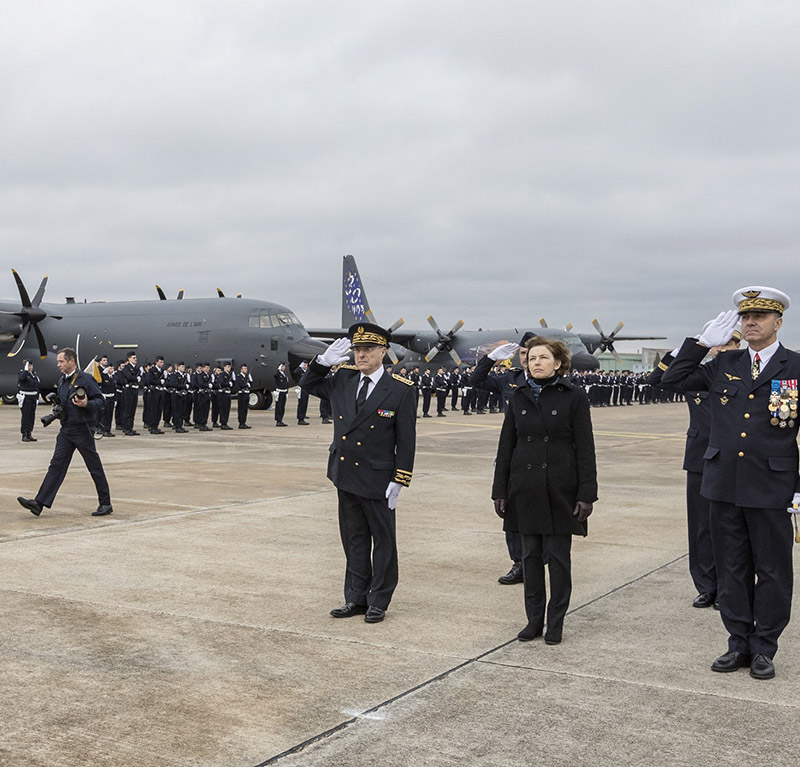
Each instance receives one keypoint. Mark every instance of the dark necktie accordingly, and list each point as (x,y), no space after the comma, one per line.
(362,394)
(756,366)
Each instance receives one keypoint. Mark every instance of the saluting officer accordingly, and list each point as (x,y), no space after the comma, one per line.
(750,474)
(371,458)
(702,566)
(27,396)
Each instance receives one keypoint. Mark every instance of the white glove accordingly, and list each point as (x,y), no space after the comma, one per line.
(719,330)
(795,507)
(392,491)
(335,353)
(503,352)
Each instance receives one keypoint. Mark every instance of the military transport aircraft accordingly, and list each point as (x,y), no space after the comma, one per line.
(261,334)
(464,346)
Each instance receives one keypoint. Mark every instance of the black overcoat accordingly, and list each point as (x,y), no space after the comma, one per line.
(545,460)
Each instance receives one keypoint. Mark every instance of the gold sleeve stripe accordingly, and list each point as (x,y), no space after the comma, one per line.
(662,366)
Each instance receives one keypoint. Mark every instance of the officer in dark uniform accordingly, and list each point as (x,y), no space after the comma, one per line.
(130,394)
(505,386)
(425,386)
(243,383)
(302,397)
(28,397)
(414,377)
(82,403)
(441,383)
(750,474)
(702,566)
(108,389)
(371,458)
(225,383)
(156,380)
(178,389)
(281,390)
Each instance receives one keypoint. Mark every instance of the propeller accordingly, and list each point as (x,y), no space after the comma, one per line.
(390,353)
(543,322)
(31,315)
(445,342)
(163,297)
(567,327)
(222,295)
(607,341)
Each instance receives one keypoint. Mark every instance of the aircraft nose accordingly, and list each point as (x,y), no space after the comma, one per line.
(306,349)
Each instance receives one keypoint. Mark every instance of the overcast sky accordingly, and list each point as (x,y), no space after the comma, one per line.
(498,162)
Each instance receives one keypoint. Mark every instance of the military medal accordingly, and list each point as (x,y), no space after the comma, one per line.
(783,403)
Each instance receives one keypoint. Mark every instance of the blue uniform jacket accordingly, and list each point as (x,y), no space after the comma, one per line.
(748,461)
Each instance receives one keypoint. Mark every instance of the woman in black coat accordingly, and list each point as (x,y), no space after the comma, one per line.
(545,480)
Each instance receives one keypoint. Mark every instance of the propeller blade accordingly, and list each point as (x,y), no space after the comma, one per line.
(543,322)
(180,294)
(40,339)
(456,328)
(616,355)
(568,327)
(597,327)
(37,299)
(397,323)
(161,293)
(238,295)
(21,340)
(392,356)
(55,316)
(370,316)
(432,323)
(455,356)
(617,329)
(220,293)
(431,354)
(23,294)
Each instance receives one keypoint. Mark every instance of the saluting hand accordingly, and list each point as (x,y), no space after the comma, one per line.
(719,331)
(335,354)
(503,352)
(583,510)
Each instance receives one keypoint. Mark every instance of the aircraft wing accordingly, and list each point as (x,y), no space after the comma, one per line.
(639,338)
(327,332)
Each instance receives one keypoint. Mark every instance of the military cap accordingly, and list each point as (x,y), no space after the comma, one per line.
(756,298)
(368,334)
(527,337)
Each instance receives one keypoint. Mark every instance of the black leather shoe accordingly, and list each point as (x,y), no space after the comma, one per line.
(204,428)
(326,420)
(348,610)
(514,575)
(529,632)
(441,415)
(156,431)
(102,510)
(706,599)
(31,504)
(181,431)
(425,415)
(303,423)
(374,614)
(731,661)
(109,434)
(225,427)
(281,423)
(244,426)
(762,667)
(26,438)
(716,604)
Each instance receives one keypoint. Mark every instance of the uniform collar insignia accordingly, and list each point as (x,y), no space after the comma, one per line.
(732,378)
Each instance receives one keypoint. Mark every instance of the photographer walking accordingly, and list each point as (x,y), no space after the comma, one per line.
(80,406)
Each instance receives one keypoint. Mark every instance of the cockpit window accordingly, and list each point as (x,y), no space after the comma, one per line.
(263,319)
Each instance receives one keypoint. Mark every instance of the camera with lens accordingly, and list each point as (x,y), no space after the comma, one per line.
(57,414)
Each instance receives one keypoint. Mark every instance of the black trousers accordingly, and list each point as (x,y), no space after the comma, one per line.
(280,406)
(701,549)
(242,406)
(426,401)
(367,528)
(224,400)
(325,408)
(28,413)
(202,404)
(441,400)
(514,545)
(302,405)
(108,412)
(753,550)
(178,407)
(454,398)
(69,440)
(130,398)
(557,550)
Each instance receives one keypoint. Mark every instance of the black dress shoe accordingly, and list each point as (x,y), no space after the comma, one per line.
(181,431)
(348,610)
(441,415)
(706,599)
(514,575)
(326,420)
(552,637)
(31,504)
(425,415)
(26,438)
(102,510)
(762,667)
(225,427)
(530,632)
(109,434)
(281,423)
(374,614)
(303,423)
(731,661)
(244,426)
(156,431)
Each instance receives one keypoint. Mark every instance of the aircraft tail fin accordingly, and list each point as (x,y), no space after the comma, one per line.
(355,307)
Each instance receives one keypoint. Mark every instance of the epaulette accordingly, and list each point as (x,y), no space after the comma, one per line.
(406,381)
(347,367)
(662,366)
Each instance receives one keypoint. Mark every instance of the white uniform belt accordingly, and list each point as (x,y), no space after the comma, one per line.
(30,393)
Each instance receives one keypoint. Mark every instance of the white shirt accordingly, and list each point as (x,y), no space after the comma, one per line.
(373,379)
(765,355)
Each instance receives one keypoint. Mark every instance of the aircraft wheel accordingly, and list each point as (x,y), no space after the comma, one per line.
(9,399)
(260,400)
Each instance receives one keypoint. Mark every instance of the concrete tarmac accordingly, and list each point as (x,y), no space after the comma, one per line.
(191,626)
